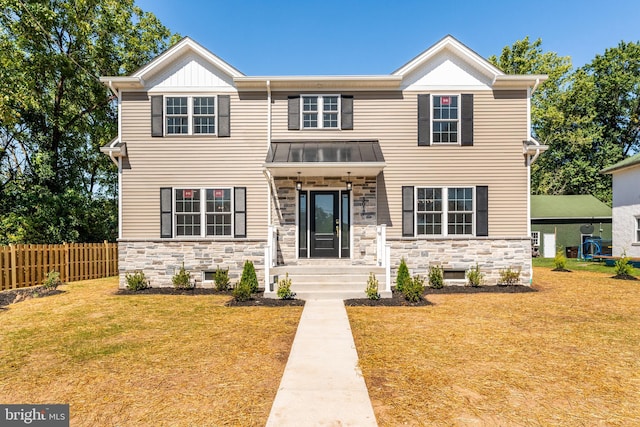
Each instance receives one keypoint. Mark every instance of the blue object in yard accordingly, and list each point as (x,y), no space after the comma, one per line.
(591,247)
(612,262)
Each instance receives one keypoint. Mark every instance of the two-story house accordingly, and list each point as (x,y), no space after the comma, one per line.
(323,176)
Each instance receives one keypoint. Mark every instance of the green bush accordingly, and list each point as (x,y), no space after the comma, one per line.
(182,279)
(436,277)
(560,261)
(249,276)
(284,288)
(242,291)
(372,287)
(52,281)
(403,275)
(622,266)
(509,277)
(221,279)
(136,281)
(475,277)
(413,289)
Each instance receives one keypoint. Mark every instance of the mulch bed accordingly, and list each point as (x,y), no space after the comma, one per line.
(397,300)
(564,270)
(17,295)
(257,299)
(624,277)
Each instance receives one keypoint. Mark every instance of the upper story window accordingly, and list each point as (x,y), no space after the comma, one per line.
(320,111)
(187,115)
(445,119)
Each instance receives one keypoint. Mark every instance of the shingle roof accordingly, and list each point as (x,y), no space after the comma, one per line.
(576,206)
(629,161)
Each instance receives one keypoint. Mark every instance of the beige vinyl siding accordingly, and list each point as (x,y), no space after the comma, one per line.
(495,159)
(192,162)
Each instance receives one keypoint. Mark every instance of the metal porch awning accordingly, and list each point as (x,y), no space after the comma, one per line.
(325,158)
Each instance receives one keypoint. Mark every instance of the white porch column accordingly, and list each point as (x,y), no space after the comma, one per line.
(387,266)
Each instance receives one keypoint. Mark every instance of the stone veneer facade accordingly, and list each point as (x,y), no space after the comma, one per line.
(161,259)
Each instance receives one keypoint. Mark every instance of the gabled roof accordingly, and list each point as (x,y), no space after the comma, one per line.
(623,164)
(563,207)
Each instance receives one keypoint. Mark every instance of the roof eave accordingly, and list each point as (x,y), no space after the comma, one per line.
(380,82)
(518,81)
(122,82)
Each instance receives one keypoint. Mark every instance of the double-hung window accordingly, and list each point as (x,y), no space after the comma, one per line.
(445,119)
(191,212)
(190,115)
(320,111)
(535,238)
(444,211)
(638,229)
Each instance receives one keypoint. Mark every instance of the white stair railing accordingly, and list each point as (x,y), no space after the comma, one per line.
(381,242)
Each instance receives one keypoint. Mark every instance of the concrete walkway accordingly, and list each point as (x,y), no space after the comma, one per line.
(322,384)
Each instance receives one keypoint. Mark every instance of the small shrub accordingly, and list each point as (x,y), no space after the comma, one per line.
(403,275)
(52,281)
(284,288)
(413,289)
(475,276)
(436,277)
(622,266)
(136,281)
(242,291)
(249,276)
(372,287)
(509,277)
(560,261)
(182,280)
(221,279)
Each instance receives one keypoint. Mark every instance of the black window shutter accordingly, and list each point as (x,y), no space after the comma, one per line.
(407,211)
(347,112)
(294,112)
(224,122)
(240,211)
(482,210)
(166,228)
(157,124)
(424,119)
(467,120)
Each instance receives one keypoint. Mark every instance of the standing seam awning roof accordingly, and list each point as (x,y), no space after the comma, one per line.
(325,158)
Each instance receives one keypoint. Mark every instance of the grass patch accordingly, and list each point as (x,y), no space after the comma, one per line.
(565,355)
(145,360)
(575,264)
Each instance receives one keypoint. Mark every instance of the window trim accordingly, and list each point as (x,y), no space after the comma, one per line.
(190,115)
(203,213)
(320,111)
(445,211)
(458,120)
(637,218)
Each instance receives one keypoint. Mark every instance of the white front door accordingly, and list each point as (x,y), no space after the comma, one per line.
(549,245)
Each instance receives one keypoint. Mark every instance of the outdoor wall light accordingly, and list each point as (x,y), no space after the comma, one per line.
(349,183)
(298,183)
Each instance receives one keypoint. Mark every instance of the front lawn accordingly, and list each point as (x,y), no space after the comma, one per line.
(575,264)
(144,360)
(564,355)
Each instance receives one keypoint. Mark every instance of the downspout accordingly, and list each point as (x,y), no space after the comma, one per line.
(267,174)
(119,161)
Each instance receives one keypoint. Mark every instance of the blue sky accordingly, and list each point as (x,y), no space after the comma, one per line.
(333,37)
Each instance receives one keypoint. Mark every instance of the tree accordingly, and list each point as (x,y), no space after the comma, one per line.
(55,114)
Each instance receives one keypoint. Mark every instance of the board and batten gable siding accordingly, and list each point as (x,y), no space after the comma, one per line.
(494,160)
(192,162)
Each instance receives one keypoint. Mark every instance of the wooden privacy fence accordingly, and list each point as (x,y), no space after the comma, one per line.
(28,265)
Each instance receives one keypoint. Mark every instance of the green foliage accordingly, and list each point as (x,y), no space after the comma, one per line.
(136,281)
(509,277)
(560,261)
(403,275)
(372,287)
(413,289)
(221,279)
(436,277)
(249,276)
(475,277)
(284,288)
(52,281)
(182,279)
(55,184)
(622,266)
(242,292)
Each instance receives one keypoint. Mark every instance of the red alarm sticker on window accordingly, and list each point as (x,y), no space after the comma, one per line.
(187,194)
(445,100)
(217,193)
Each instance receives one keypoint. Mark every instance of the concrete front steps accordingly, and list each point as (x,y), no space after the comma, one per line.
(328,279)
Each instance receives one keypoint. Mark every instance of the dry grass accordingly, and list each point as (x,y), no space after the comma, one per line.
(145,360)
(567,355)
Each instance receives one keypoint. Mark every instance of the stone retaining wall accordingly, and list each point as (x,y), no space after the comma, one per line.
(160,259)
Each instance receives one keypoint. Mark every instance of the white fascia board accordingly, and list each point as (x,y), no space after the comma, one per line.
(122,82)
(318,82)
(518,81)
